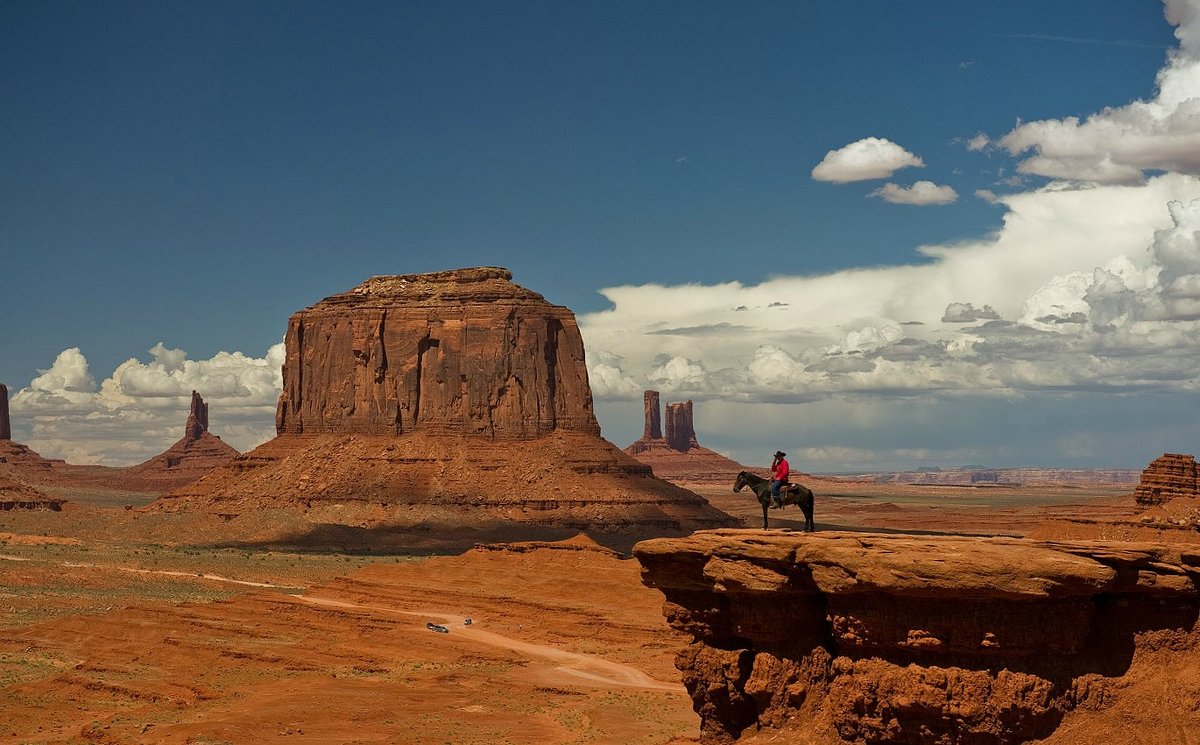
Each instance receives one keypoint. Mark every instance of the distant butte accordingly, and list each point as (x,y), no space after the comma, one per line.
(1169,476)
(455,404)
(464,352)
(678,455)
(193,456)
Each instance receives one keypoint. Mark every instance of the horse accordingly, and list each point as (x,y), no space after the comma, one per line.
(796,494)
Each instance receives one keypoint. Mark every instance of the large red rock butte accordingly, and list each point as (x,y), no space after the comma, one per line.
(1169,476)
(454,403)
(464,352)
(678,455)
(839,638)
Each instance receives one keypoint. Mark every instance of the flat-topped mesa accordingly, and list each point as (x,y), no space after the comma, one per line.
(5,424)
(837,638)
(465,351)
(197,421)
(1169,476)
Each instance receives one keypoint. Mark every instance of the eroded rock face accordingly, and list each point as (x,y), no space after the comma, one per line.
(681,428)
(653,428)
(463,351)
(16,494)
(197,421)
(5,424)
(1169,476)
(854,638)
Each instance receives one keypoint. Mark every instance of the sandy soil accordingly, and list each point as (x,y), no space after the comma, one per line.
(120,626)
(565,645)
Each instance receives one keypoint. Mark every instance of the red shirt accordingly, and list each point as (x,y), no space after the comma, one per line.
(781,471)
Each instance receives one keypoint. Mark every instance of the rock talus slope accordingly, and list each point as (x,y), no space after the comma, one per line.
(857,638)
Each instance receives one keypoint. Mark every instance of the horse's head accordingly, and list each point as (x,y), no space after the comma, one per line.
(740,482)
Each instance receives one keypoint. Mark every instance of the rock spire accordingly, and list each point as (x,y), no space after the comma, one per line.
(678,455)
(653,429)
(681,429)
(5,424)
(197,421)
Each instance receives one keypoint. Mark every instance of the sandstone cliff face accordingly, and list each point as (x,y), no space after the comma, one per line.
(681,428)
(653,428)
(464,352)
(1167,477)
(5,424)
(855,638)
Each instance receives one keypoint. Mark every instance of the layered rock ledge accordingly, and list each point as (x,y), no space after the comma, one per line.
(858,638)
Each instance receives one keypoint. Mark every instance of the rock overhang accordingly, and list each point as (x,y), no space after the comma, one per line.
(906,638)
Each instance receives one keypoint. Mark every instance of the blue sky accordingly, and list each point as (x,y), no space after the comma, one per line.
(193,173)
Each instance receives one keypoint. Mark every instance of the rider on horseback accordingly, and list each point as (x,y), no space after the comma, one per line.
(779,477)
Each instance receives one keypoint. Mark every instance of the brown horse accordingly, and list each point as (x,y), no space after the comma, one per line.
(796,494)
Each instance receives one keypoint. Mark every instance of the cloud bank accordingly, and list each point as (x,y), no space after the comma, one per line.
(1118,145)
(1089,293)
(140,409)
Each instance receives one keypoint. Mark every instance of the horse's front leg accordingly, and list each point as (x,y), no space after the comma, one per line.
(764,516)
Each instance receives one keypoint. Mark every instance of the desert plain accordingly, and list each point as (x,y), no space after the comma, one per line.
(120,626)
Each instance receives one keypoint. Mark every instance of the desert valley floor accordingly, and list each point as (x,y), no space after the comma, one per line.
(125,626)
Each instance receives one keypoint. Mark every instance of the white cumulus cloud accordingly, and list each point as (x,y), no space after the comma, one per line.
(140,408)
(1118,145)
(868,158)
(920,193)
